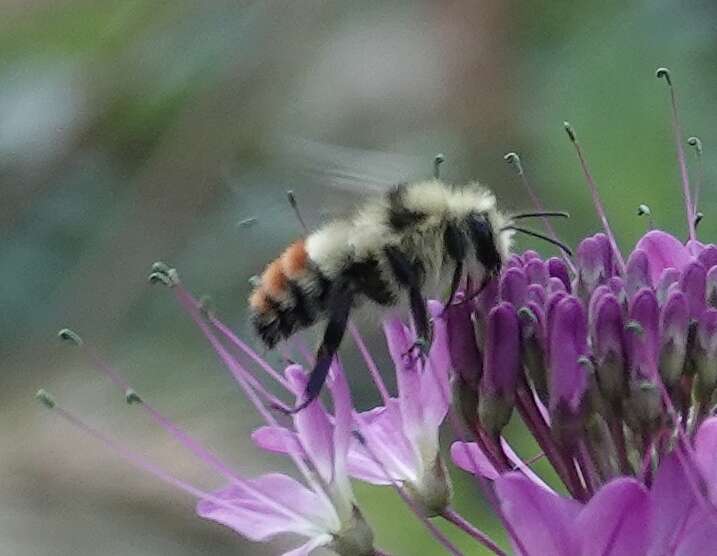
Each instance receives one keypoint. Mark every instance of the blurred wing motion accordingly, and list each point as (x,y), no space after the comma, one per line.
(352,169)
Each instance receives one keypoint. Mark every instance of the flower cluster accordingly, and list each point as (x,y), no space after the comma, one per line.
(610,362)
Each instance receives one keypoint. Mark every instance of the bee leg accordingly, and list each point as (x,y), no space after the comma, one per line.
(340,303)
(409,275)
(456,245)
(455,283)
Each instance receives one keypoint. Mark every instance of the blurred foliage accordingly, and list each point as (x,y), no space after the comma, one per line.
(138,130)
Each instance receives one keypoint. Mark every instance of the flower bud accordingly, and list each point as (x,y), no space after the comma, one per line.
(708,257)
(501,368)
(465,356)
(568,356)
(638,272)
(514,286)
(537,294)
(608,341)
(529,255)
(693,283)
(536,272)
(674,325)
(558,269)
(592,268)
(668,277)
(532,343)
(664,251)
(643,337)
(643,408)
(556,285)
(711,287)
(706,356)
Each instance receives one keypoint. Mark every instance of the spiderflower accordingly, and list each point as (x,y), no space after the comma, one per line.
(617,382)
(399,440)
(609,359)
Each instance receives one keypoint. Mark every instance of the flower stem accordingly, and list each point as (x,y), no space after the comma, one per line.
(618,437)
(534,421)
(452,516)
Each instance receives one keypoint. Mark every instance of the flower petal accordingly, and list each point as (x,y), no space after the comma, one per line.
(313,427)
(435,380)
(278,440)
(672,503)
(706,454)
(308,548)
(542,520)
(568,345)
(469,457)
(288,507)
(613,522)
(663,251)
(383,430)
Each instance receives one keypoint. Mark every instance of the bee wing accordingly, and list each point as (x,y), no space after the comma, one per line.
(352,169)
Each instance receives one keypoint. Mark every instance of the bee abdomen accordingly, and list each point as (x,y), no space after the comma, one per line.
(289,296)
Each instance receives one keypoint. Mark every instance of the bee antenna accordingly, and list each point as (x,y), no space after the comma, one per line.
(542,213)
(533,233)
(295,206)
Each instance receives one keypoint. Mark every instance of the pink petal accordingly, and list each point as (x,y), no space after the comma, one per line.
(313,427)
(706,454)
(407,375)
(278,440)
(469,457)
(614,522)
(289,507)
(435,388)
(663,251)
(521,466)
(343,424)
(388,443)
(309,547)
(542,521)
(699,539)
(672,503)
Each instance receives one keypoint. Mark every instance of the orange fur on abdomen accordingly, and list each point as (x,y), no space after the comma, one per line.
(290,265)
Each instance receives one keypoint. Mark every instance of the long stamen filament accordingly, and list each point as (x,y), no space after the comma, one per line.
(597,200)
(513,159)
(664,73)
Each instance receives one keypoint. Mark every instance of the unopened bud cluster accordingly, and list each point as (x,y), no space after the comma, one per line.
(613,355)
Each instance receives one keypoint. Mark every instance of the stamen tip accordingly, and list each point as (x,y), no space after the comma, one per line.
(664,73)
(696,143)
(68,335)
(292,198)
(132,397)
(437,161)
(570,131)
(45,398)
(514,159)
(163,274)
(643,210)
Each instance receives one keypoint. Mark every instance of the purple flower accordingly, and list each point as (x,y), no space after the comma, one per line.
(328,517)
(399,439)
(610,361)
(623,517)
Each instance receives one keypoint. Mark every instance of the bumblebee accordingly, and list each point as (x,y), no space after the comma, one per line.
(387,253)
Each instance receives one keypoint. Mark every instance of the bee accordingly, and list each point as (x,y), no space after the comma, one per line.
(387,253)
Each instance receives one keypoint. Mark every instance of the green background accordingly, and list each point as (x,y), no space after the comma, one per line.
(136,131)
